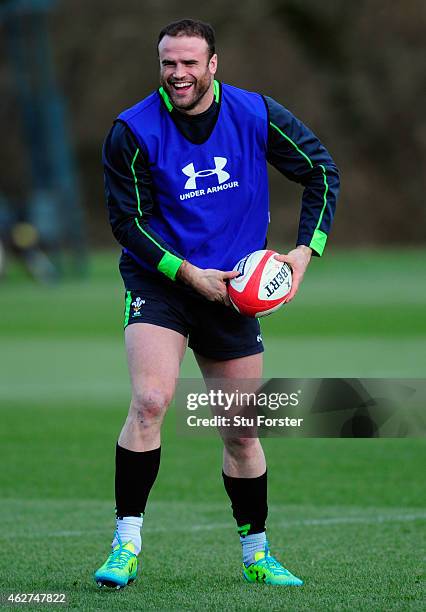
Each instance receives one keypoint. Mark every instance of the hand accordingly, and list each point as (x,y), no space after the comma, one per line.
(210,283)
(298,259)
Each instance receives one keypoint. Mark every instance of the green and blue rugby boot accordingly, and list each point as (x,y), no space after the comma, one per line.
(268,570)
(121,567)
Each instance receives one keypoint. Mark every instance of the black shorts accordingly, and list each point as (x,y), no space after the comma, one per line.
(213,329)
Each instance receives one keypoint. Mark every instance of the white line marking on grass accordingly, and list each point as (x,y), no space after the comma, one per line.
(343,520)
(346,520)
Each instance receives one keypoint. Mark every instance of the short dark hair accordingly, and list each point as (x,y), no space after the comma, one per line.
(191,27)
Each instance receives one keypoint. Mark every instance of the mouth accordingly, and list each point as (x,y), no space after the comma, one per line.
(182,87)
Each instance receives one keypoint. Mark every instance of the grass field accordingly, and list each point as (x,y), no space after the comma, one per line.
(348,516)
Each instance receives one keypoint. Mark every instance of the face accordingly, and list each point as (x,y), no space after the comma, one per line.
(186,73)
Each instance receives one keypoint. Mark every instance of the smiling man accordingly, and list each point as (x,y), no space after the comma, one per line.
(187,192)
(187,66)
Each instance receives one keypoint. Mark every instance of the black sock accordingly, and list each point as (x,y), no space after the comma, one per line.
(249,502)
(135,473)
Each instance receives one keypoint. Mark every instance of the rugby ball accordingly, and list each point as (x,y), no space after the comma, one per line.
(262,286)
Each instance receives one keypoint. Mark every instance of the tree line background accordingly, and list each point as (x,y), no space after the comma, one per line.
(353,71)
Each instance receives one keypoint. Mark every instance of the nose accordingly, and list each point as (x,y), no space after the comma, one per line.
(179,72)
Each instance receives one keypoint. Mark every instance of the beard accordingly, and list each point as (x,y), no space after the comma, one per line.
(195,94)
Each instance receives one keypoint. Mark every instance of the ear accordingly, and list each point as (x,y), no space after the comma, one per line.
(213,64)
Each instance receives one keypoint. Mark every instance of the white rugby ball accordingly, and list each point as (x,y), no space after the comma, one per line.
(262,286)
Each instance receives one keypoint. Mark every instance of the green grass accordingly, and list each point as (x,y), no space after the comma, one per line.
(346,515)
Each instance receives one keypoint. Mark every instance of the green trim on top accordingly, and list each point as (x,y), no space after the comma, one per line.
(148,236)
(324,175)
(216,90)
(135,178)
(169,265)
(319,238)
(127,308)
(318,241)
(166,99)
(293,143)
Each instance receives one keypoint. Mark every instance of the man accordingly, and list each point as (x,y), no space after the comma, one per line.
(187,191)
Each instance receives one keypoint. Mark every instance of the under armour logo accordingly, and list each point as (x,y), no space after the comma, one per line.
(222,175)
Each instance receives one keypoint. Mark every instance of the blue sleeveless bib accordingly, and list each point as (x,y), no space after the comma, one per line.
(211,200)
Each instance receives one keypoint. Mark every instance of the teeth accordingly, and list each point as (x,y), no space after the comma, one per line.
(180,85)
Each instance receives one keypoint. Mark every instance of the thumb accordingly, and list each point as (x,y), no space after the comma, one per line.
(284,259)
(230,275)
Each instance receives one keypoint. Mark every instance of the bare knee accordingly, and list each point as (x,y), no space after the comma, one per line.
(242,448)
(148,406)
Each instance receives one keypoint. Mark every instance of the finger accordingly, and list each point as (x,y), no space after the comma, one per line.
(293,290)
(291,295)
(222,297)
(285,259)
